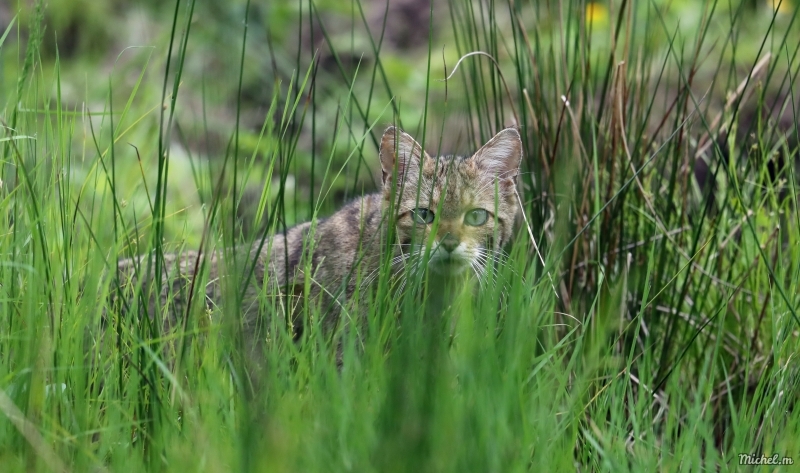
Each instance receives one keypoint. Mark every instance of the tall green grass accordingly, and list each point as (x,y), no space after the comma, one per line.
(659,334)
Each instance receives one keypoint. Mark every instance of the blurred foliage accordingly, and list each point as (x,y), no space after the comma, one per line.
(102,49)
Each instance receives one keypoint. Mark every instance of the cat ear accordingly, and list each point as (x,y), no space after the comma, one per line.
(501,155)
(398,146)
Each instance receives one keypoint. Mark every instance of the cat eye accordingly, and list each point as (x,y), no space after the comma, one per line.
(476,217)
(423,216)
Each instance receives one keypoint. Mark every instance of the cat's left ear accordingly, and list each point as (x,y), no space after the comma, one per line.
(501,155)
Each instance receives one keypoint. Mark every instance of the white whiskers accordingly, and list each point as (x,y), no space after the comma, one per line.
(487,265)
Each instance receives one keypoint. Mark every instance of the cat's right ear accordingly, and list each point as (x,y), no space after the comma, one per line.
(398,149)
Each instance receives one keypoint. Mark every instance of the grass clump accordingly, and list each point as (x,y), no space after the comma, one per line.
(659,332)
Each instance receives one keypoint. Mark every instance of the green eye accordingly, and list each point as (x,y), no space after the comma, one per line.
(423,216)
(476,217)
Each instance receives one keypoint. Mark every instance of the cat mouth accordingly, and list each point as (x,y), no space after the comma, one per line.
(448,265)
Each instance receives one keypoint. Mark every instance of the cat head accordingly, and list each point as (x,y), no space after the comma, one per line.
(463,207)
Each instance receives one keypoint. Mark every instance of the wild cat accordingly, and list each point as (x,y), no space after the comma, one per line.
(452,214)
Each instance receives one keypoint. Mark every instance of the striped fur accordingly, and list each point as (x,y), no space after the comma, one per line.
(337,255)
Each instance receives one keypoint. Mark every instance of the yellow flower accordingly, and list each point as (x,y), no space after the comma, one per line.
(597,13)
(781,6)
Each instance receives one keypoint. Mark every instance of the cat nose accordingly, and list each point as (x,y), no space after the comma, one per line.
(449,243)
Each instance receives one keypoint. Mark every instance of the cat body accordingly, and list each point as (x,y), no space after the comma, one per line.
(449,215)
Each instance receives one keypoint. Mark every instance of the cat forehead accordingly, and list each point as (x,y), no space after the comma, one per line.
(453,179)
(454,172)
(446,165)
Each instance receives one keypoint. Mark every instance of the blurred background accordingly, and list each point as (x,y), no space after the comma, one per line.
(390,56)
(287,100)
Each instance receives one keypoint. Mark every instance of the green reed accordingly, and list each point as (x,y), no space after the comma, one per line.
(659,334)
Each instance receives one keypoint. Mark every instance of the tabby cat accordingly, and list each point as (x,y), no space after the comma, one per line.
(450,215)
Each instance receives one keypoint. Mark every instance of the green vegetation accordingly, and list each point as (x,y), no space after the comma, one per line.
(661,332)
